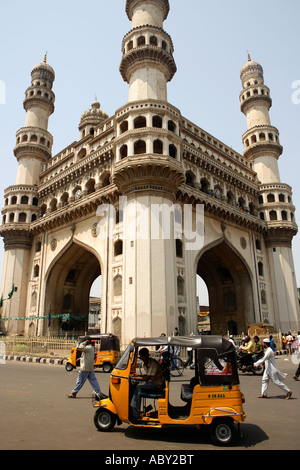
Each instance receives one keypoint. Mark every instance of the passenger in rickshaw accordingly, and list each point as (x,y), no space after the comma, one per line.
(152,382)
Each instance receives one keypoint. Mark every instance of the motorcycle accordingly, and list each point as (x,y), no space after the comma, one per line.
(246,362)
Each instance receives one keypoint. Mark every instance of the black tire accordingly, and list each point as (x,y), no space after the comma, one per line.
(222,431)
(178,367)
(107,367)
(259,370)
(69,367)
(104,420)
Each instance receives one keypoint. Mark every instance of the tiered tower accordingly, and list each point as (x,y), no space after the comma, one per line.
(147,63)
(148,169)
(33,150)
(262,148)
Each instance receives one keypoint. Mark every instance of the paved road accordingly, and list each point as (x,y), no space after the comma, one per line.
(37,415)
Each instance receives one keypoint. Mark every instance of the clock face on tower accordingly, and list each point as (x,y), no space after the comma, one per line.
(77,194)
(218,193)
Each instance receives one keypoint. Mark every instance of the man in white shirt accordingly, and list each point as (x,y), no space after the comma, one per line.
(86,371)
(271,372)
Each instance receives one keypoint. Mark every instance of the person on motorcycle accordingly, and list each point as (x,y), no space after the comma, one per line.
(253,350)
(247,350)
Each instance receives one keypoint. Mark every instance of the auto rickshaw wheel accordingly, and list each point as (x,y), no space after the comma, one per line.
(104,420)
(222,431)
(69,367)
(107,367)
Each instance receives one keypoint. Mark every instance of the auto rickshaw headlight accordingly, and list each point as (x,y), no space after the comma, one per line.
(115,380)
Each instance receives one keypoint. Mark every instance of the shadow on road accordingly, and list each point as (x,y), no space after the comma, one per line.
(251,435)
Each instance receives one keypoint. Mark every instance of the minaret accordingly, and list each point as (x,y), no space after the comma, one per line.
(148,172)
(34,142)
(262,148)
(33,150)
(261,141)
(147,63)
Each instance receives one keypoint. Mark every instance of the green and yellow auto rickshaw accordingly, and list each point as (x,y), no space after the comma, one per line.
(211,398)
(107,352)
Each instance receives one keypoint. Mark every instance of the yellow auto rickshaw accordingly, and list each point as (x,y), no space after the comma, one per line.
(107,352)
(211,398)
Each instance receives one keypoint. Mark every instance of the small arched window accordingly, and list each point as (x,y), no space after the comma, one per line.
(139,122)
(123,151)
(157,122)
(22,217)
(153,41)
(172,151)
(118,247)
(158,147)
(123,127)
(24,200)
(139,147)
(141,41)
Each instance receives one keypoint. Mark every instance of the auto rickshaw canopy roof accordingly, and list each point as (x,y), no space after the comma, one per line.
(220,344)
(108,341)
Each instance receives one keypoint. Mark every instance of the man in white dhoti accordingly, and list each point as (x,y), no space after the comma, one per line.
(271,372)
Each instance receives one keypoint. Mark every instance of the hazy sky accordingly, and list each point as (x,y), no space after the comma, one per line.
(211,40)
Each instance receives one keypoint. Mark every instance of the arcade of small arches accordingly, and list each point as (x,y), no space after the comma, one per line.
(151,144)
(262,137)
(136,39)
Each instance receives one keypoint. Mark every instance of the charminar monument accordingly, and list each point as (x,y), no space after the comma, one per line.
(148,200)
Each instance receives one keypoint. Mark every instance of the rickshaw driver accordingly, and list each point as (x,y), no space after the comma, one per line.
(152,381)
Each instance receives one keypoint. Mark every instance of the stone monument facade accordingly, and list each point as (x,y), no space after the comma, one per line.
(148,200)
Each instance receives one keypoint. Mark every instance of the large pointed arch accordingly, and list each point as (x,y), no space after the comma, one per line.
(68,282)
(230,287)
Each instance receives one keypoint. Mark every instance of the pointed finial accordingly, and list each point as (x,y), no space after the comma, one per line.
(249,57)
(45,58)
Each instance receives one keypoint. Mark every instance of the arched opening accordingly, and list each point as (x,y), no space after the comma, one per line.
(157,121)
(139,122)
(158,147)
(190,178)
(172,151)
(139,147)
(124,151)
(229,289)
(123,127)
(90,186)
(203,317)
(69,289)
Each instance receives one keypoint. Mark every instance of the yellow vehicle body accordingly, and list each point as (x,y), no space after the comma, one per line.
(107,352)
(217,405)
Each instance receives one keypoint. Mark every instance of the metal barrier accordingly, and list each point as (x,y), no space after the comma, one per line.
(37,346)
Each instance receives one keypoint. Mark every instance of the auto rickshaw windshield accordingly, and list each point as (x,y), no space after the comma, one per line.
(123,362)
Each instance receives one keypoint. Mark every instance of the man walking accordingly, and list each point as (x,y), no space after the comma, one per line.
(271,372)
(86,371)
